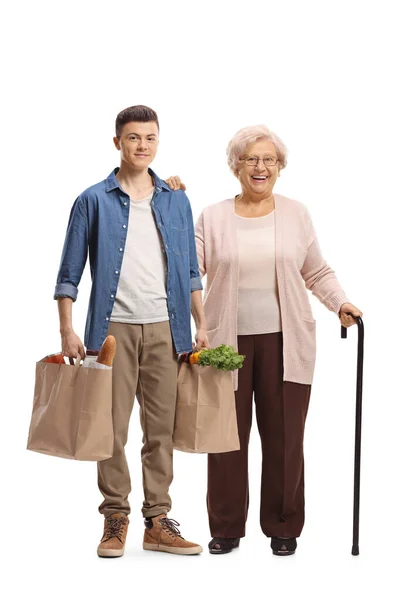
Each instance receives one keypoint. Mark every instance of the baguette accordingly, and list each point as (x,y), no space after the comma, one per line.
(107,351)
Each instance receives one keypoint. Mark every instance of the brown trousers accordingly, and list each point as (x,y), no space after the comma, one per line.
(281,409)
(145,365)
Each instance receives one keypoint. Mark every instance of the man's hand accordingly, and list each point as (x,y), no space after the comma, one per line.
(175,183)
(201,339)
(347,320)
(71,345)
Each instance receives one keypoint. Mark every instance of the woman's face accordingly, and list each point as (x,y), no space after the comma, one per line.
(259,178)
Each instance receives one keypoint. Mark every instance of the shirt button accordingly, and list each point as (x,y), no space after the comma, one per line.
(173,316)
(112,295)
(125,203)
(107,319)
(116,272)
(166,245)
(120,249)
(124,226)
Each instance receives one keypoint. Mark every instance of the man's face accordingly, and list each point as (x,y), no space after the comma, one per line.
(138,144)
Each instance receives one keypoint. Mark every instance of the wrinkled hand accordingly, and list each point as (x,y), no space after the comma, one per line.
(347,320)
(201,340)
(175,183)
(71,345)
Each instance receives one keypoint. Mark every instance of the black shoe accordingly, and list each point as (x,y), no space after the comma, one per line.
(283,547)
(225,545)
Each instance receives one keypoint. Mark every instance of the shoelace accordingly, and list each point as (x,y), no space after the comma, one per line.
(170,525)
(114,528)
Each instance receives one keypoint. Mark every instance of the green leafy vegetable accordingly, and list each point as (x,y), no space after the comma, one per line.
(224,358)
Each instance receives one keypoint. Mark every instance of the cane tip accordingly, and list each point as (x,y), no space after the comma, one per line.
(355,551)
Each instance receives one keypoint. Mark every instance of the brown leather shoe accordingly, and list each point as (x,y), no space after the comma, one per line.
(162,535)
(113,541)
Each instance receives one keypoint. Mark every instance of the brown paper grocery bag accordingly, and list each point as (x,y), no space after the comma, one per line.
(205,419)
(72,412)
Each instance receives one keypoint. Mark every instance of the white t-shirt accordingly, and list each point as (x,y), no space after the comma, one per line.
(258,301)
(141,295)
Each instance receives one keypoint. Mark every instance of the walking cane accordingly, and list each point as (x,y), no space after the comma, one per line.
(357,452)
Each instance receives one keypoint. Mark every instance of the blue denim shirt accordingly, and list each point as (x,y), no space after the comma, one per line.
(98,224)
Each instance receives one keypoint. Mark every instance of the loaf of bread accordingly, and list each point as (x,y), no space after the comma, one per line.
(107,351)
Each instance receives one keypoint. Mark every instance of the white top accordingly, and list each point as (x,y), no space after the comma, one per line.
(258,302)
(141,295)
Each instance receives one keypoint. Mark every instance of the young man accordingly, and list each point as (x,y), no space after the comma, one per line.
(145,282)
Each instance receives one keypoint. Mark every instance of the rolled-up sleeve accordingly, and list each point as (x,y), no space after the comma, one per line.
(74,254)
(195,280)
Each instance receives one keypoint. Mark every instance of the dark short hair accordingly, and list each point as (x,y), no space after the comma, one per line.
(139,113)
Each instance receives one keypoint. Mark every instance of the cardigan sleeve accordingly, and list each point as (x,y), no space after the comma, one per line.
(200,247)
(319,277)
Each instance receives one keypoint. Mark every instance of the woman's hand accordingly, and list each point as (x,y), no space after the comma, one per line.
(71,345)
(347,320)
(175,183)
(201,339)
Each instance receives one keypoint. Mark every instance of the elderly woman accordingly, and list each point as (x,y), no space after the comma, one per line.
(260,253)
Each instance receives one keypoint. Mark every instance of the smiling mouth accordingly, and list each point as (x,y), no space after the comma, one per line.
(259,177)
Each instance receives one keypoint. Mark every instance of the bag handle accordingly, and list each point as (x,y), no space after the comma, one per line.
(77,363)
(76,368)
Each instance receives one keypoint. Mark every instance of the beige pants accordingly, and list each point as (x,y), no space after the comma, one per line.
(145,365)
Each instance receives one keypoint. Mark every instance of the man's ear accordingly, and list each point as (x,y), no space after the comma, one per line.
(116,143)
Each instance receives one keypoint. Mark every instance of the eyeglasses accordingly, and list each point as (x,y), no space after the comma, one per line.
(252,161)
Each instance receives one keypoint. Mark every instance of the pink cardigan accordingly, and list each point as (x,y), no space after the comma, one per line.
(299,265)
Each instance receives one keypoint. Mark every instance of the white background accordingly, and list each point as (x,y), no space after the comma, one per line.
(324,76)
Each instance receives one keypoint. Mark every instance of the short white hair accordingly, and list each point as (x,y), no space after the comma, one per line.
(248,135)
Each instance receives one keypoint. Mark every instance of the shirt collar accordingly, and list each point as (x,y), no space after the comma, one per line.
(112,182)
